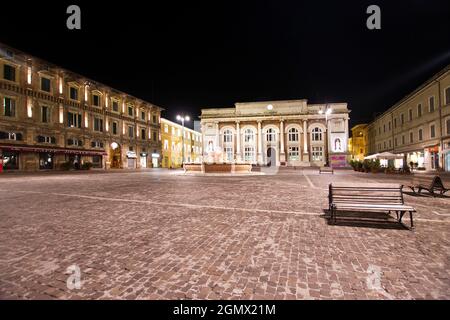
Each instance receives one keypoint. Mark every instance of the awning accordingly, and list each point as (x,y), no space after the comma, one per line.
(385,155)
(52,150)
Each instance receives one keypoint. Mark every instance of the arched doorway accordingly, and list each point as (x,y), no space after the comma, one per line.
(271,159)
(115,157)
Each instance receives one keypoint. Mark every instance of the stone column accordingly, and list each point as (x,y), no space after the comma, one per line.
(217,144)
(260,151)
(305,141)
(282,155)
(238,142)
(346,135)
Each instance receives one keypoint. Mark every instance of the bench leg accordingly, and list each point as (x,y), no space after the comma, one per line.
(396,212)
(411,218)
(402,213)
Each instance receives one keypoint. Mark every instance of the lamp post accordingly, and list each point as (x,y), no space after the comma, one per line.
(327,113)
(182,118)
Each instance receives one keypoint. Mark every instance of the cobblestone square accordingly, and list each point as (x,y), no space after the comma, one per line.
(163,235)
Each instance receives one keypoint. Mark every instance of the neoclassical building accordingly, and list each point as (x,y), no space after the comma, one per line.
(291,133)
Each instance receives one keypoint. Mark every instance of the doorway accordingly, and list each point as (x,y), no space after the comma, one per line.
(271,157)
(143,161)
(115,156)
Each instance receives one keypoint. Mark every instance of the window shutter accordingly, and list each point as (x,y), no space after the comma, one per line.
(79,121)
(53,140)
(70,142)
(93,144)
(19,136)
(40,139)
(80,143)
(101,144)
(3,135)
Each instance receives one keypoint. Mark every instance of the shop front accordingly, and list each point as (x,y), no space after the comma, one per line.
(155,160)
(432,158)
(33,158)
(131,160)
(10,160)
(416,160)
(143,160)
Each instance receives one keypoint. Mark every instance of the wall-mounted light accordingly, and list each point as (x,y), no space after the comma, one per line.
(114,145)
(61,85)
(86,87)
(29,107)
(270,107)
(61,113)
(29,75)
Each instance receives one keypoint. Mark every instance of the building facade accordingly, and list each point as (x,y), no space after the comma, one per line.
(359,142)
(291,133)
(418,126)
(173,137)
(51,117)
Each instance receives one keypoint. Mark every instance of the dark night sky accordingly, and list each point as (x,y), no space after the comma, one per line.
(192,54)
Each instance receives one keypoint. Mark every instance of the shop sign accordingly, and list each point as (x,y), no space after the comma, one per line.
(131,155)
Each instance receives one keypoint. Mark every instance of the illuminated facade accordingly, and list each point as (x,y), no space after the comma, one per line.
(290,133)
(52,118)
(172,145)
(359,142)
(418,126)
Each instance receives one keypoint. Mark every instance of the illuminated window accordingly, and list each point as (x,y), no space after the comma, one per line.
(228,136)
(270,135)
(248,135)
(249,154)
(316,134)
(317,154)
(293,153)
(293,135)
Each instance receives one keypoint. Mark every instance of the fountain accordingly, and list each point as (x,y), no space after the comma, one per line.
(214,163)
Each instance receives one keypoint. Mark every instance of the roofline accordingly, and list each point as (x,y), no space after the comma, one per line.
(178,125)
(76,74)
(423,86)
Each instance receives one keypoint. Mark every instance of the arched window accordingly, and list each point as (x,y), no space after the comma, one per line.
(293,135)
(248,135)
(227,136)
(316,134)
(270,135)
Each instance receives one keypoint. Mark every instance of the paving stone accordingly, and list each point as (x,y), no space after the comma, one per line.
(161,235)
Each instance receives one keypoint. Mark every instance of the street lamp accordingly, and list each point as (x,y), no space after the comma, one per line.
(327,113)
(182,118)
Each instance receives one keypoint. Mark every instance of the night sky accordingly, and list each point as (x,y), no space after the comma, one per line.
(189,55)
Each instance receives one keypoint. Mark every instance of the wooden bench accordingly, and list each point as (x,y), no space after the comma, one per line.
(326,170)
(429,183)
(368,197)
